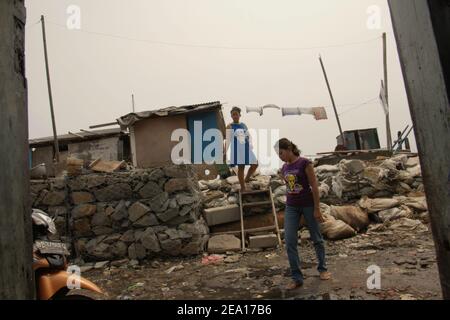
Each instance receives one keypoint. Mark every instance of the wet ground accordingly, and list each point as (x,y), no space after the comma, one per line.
(406,260)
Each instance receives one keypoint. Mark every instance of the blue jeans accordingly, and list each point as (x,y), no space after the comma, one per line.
(291,226)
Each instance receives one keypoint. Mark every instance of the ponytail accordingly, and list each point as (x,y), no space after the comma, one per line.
(285,144)
(295,149)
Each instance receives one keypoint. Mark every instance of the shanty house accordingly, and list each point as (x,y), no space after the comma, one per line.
(151,131)
(109,145)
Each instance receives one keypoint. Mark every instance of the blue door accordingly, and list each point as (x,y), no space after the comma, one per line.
(198,124)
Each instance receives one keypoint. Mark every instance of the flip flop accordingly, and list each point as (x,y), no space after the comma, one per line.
(325,276)
(294,285)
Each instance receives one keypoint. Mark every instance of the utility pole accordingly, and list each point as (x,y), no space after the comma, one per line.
(332,100)
(386,90)
(16,244)
(422,31)
(49,85)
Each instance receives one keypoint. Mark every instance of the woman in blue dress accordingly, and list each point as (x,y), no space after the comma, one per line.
(242,154)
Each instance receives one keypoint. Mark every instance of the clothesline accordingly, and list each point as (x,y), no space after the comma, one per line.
(319,113)
(300,111)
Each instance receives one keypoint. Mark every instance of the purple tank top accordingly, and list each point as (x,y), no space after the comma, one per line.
(298,188)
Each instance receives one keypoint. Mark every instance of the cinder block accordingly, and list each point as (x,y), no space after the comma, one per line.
(223,243)
(264,241)
(222,215)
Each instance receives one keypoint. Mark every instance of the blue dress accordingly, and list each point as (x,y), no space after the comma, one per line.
(241,152)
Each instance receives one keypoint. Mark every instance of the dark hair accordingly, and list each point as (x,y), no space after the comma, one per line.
(237,109)
(285,144)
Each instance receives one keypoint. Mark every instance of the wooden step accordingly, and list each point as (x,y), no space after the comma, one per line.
(255,192)
(256,230)
(256,204)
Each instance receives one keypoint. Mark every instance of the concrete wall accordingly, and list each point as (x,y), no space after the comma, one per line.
(16,277)
(107,149)
(152,138)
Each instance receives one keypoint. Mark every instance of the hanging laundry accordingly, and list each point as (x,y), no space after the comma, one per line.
(383,99)
(271,106)
(320,113)
(255,109)
(291,112)
(309,111)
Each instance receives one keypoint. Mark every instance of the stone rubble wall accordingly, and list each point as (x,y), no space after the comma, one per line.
(126,215)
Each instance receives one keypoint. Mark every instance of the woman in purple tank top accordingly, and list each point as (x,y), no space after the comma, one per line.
(303,198)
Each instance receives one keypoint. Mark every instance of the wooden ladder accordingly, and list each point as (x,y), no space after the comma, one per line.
(243,205)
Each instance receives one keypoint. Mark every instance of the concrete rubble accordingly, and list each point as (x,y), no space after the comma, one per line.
(355,195)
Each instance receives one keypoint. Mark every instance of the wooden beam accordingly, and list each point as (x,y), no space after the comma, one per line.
(386,88)
(332,101)
(245,231)
(104,125)
(49,87)
(90,132)
(422,30)
(16,244)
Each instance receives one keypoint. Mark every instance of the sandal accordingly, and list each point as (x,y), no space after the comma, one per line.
(325,276)
(294,285)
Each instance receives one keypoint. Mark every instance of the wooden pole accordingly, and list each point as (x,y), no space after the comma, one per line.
(16,274)
(50,96)
(388,122)
(422,32)
(132,102)
(104,125)
(332,100)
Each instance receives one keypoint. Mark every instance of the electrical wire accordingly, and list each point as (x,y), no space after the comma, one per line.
(175,44)
(186,45)
(29,26)
(358,106)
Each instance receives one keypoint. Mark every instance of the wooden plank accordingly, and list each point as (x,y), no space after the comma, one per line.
(349,151)
(256,204)
(75,162)
(93,163)
(104,125)
(16,244)
(253,192)
(422,31)
(275,218)
(256,230)
(242,221)
(107,166)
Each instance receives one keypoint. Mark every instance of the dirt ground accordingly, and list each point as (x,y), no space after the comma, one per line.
(406,259)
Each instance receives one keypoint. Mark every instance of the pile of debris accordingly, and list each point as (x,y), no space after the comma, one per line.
(384,178)
(354,194)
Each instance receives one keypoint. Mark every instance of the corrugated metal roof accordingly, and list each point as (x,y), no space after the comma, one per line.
(77,137)
(132,118)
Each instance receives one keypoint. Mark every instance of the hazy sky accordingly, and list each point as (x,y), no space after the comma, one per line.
(93,76)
